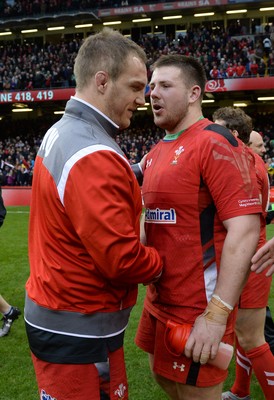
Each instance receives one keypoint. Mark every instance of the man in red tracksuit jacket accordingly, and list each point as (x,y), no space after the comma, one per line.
(86,258)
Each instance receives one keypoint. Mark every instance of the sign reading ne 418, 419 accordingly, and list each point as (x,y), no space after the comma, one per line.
(36,95)
(213,85)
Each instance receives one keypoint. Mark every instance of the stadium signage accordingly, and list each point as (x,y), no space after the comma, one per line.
(176,5)
(237,84)
(217,85)
(226,85)
(36,95)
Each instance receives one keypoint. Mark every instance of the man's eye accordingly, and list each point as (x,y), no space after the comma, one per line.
(137,89)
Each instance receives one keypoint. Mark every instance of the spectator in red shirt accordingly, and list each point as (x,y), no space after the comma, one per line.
(230,71)
(240,70)
(214,72)
(254,68)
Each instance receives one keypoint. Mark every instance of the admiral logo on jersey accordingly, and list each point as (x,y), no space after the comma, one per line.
(158,216)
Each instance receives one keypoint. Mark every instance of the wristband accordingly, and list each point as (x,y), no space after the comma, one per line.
(215,296)
(216,312)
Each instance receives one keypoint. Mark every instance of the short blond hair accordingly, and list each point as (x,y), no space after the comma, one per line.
(104,51)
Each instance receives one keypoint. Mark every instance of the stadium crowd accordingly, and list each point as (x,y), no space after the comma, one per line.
(28,66)
(18,151)
(11,8)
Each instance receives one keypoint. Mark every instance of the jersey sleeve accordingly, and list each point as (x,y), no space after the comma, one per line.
(108,204)
(229,172)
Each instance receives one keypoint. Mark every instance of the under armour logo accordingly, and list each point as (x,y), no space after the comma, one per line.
(148,163)
(180,367)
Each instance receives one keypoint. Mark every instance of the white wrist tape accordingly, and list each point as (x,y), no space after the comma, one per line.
(223,302)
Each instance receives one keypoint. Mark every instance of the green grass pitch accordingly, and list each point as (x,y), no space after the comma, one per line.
(17,380)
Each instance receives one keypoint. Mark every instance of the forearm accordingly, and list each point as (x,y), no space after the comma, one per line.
(239,247)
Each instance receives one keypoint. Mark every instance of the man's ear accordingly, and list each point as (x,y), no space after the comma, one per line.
(235,133)
(195,93)
(101,80)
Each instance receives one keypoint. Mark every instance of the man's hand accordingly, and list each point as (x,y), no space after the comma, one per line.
(208,330)
(264,258)
(204,340)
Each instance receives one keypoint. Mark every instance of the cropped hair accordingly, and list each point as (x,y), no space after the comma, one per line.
(192,71)
(105,51)
(236,120)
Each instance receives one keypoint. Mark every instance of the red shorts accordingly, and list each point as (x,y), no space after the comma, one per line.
(82,381)
(150,338)
(256,291)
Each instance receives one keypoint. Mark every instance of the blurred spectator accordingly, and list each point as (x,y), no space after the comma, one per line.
(230,71)
(272,35)
(254,68)
(223,74)
(27,66)
(267,46)
(240,70)
(214,72)
(261,68)
(17,153)
(267,28)
(270,65)
(39,79)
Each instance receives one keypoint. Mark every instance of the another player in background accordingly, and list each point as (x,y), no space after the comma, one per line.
(264,258)
(256,143)
(9,312)
(252,351)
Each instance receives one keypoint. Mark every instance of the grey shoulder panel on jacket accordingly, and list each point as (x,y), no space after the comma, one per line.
(78,130)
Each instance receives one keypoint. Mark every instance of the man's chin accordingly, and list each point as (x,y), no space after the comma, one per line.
(159,122)
(124,125)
